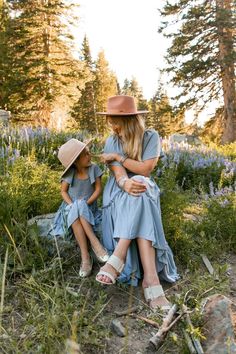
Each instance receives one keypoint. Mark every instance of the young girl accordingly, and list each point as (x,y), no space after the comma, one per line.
(80,189)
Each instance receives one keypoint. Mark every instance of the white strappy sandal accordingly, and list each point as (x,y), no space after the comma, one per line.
(101,259)
(117,264)
(152,293)
(86,268)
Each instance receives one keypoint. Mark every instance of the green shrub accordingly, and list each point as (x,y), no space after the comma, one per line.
(219,225)
(173,203)
(32,188)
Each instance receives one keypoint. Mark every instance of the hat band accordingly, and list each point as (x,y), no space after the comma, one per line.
(114,111)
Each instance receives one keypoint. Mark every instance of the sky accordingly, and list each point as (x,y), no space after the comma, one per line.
(127,31)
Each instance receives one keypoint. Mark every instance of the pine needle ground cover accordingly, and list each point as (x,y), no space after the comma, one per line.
(45,307)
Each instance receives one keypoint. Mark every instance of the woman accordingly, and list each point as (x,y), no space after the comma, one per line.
(132,226)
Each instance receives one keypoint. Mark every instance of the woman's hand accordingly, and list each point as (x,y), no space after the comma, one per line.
(134,188)
(106,158)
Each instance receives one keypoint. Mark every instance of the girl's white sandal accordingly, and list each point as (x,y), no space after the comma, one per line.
(101,259)
(152,293)
(117,264)
(85,272)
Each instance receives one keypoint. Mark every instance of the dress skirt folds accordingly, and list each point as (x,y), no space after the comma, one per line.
(79,191)
(130,217)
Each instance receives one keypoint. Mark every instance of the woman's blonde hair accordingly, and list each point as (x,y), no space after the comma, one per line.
(132,131)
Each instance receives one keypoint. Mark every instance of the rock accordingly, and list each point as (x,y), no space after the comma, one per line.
(118,328)
(43,223)
(218,328)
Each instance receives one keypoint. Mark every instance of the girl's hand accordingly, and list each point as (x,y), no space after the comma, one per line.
(134,188)
(106,158)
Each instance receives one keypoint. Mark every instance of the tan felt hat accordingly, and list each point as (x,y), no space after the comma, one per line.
(69,152)
(121,105)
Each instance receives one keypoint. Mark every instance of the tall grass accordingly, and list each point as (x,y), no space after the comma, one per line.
(45,307)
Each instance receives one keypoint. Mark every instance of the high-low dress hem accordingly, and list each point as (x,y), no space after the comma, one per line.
(129,217)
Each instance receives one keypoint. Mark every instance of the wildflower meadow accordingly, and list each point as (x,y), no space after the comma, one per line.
(44,306)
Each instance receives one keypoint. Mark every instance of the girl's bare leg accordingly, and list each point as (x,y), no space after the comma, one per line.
(148,259)
(95,243)
(81,239)
(120,252)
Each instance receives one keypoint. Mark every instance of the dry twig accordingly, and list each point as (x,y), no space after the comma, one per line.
(159,337)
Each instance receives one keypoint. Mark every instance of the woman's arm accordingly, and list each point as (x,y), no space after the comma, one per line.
(97,192)
(64,192)
(143,168)
(129,185)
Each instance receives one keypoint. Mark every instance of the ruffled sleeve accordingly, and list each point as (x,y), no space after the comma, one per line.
(113,145)
(69,176)
(94,172)
(151,145)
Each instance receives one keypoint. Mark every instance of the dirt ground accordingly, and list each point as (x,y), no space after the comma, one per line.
(138,333)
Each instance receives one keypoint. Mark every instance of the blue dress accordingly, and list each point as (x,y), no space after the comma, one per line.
(79,191)
(128,217)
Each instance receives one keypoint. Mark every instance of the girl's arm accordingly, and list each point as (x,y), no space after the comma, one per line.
(64,192)
(143,168)
(97,192)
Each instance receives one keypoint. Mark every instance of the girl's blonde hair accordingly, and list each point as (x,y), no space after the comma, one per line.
(132,131)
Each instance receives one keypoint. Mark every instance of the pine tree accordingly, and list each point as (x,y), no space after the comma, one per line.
(4,57)
(126,88)
(118,88)
(105,85)
(212,129)
(201,58)
(163,117)
(153,119)
(42,66)
(132,88)
(84,109)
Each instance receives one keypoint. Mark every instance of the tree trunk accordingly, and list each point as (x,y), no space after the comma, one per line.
(45,108)
(224,22)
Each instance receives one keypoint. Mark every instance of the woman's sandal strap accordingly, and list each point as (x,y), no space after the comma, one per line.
(116,263)
(109,275)
(153,292)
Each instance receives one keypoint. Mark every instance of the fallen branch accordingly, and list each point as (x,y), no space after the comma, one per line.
(189,342)
(196,341)
(207,264)
(175,320)
(127,312)
(147,320)
(159,337)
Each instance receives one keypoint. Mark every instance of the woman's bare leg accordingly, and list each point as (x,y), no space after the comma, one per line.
(148,259)
(120,252)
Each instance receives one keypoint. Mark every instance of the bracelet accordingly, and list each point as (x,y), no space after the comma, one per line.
(122,160)
(121,181)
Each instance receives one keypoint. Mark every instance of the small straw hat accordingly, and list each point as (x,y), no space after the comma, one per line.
(121,106)
(68,152)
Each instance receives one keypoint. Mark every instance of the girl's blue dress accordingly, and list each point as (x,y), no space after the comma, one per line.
(79,191)
(129,217)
